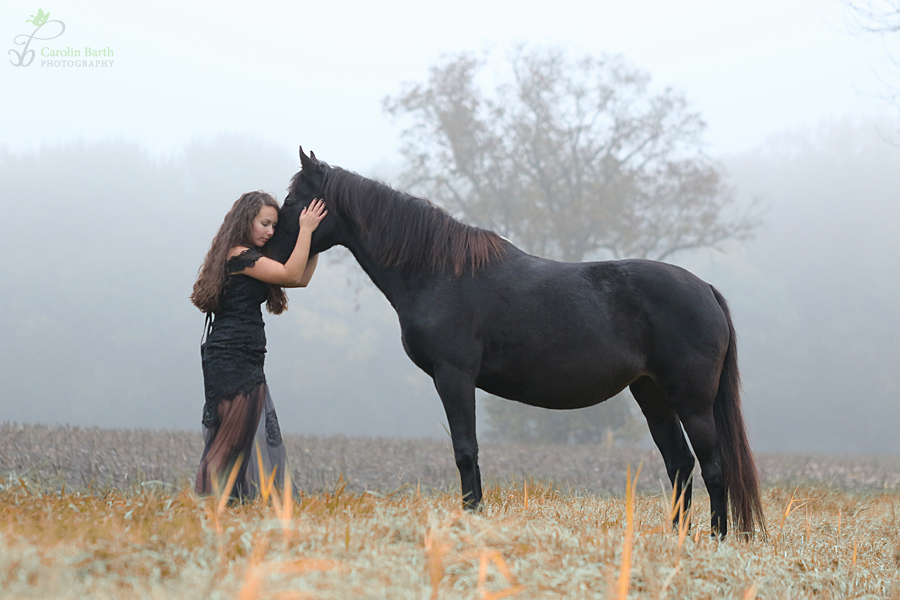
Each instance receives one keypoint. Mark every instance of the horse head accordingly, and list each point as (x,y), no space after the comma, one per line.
(306,185)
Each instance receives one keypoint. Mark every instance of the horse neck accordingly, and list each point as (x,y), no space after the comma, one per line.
(389,280)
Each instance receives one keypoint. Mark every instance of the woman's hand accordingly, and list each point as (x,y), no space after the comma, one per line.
(312,215)
(299,268)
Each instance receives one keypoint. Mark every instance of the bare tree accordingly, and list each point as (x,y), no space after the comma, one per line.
(574,158)
(571,158)
(878,18)
(875,16)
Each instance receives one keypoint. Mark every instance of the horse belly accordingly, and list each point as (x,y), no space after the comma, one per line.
(557,380)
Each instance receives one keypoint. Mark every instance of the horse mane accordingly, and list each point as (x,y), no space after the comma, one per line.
(408,232)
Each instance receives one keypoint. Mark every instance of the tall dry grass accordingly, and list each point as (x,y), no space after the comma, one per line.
(530,541)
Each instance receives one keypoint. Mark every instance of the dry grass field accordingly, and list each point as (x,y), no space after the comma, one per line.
(73,525)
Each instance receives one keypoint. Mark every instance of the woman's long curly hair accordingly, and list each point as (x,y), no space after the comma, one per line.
(236,230)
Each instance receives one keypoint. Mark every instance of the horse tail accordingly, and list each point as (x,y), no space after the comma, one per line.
(739,468)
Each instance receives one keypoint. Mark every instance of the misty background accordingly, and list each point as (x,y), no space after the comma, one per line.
(113,184)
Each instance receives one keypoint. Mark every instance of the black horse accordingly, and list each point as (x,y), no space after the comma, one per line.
(475,311)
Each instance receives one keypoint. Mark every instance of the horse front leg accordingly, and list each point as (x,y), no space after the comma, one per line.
(457,391)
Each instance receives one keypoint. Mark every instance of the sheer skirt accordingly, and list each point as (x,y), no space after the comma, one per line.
(247,422)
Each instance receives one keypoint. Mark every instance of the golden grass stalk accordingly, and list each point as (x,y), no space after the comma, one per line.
(436,547)
(287,511)
(482,574)
(789,509)
(270,482)
(211,511)
(276,503)
(222,496)
(263,482)
(229,485)
(493,556)
(525,480)
(676,510)
(684,527)
(628,540)
(253,580)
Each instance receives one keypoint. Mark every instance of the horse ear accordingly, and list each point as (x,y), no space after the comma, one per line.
(307,162)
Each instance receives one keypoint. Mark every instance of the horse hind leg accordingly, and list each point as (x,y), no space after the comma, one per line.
(694,406)
(665,428)
(701,429)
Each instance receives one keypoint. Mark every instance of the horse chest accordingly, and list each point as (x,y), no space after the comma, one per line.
(435,338)
(415,352)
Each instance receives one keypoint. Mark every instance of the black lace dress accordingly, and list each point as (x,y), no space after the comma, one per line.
(238,416)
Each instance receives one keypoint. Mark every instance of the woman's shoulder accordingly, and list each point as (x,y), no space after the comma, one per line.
(236,250)
(242,257)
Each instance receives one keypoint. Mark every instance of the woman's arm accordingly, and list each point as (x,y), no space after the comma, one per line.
(309,270)
(293,273)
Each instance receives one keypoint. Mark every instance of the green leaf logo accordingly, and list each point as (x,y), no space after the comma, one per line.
(39,19)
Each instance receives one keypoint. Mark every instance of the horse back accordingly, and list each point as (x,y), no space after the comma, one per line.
(631,302)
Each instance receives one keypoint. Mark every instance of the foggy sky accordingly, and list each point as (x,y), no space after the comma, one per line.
(315,73)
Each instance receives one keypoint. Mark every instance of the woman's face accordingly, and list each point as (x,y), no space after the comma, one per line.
(264,225)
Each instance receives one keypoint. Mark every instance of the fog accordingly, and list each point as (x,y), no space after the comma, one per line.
(813,295)
(112,184)
(315,73)
(102,331)
(102,242)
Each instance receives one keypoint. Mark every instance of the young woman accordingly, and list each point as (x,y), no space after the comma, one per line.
(235,279)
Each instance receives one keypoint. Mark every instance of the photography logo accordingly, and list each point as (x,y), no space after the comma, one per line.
(46,30)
